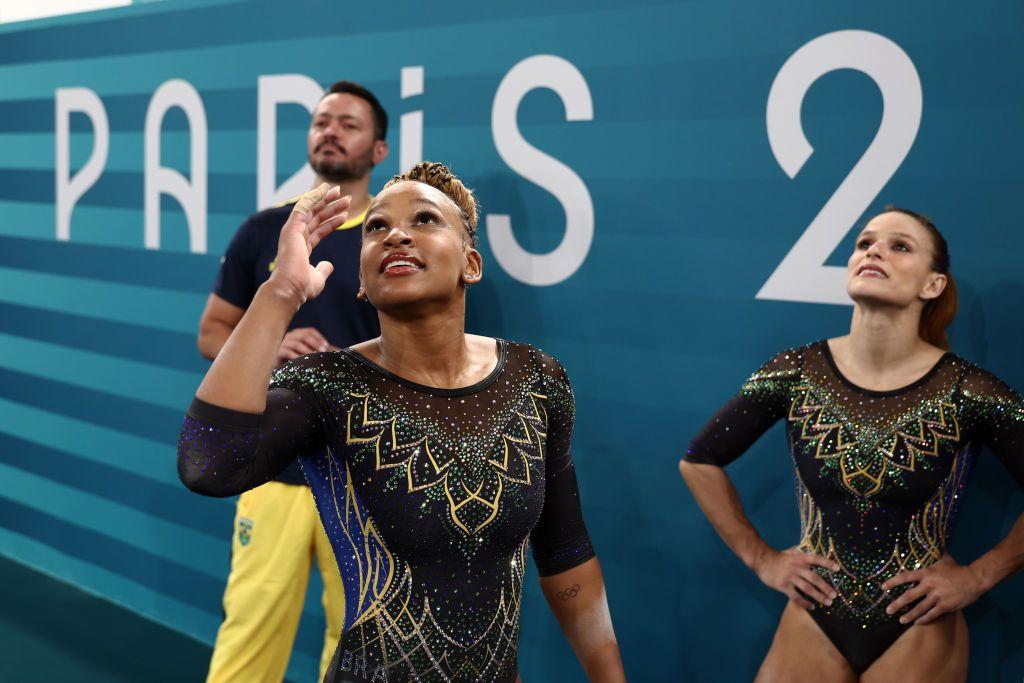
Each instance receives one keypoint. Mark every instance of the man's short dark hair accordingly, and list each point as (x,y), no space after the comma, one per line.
(380,117)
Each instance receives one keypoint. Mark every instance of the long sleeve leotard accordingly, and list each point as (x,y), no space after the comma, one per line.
(429,496)
(879,473)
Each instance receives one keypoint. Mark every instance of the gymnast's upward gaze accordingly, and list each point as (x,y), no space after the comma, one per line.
(435,457)
(884,426)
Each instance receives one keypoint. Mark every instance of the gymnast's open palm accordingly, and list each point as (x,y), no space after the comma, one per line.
(315,216)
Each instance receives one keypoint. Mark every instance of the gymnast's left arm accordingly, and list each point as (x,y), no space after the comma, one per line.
(995,415)
(571,577)
(578,601)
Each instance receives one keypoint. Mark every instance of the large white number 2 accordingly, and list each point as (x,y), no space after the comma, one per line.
(802,275)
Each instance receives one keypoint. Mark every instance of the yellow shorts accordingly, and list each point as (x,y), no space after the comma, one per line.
(277,534)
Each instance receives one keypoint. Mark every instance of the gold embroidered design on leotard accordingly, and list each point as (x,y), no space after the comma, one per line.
(858,581)
(865,457)
(408,635)
(429,498)
(471,482)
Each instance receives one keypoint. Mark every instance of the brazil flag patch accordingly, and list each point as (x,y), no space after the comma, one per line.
(244,530)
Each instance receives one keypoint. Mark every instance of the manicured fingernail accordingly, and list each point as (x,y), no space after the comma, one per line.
(903,620)
(829,602)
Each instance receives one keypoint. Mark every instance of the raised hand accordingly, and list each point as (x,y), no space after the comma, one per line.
(792,572)
(315,216)
(943,587)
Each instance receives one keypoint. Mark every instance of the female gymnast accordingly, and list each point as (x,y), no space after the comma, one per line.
(435,457)
(884,425)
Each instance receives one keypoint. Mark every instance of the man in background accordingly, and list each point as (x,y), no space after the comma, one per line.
(277,532)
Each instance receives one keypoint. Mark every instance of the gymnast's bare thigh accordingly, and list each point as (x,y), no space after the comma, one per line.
(931,653)
(801,652)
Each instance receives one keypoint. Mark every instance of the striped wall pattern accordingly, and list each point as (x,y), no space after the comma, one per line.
(97,334)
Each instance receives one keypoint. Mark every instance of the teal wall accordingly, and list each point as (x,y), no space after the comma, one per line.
(696,196)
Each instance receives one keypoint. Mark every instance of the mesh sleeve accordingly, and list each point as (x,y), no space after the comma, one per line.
(222,452)
(761,402)
(995,415)
(560,540)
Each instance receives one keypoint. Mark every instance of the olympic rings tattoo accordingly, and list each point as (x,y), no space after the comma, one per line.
(570,592)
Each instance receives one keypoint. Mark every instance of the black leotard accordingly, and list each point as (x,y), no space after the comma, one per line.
(879,473)
(429,497)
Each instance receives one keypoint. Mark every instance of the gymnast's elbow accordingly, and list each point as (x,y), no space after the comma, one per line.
(200,479)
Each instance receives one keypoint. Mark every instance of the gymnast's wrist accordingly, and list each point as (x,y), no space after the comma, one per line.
(985,575)
(755,559)
(279,292)
(605,665)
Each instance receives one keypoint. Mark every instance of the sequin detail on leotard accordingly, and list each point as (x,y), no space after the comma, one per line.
(879,475)
(429,497)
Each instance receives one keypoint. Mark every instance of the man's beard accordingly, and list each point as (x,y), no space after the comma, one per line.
(342,171)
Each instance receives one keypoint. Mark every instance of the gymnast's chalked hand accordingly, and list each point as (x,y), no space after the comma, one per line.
(315,216)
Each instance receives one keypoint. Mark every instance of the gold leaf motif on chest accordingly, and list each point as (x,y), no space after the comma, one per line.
(824,432)
(922,436)
(866,454)
(426,466)
(472,482)
(523,442)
